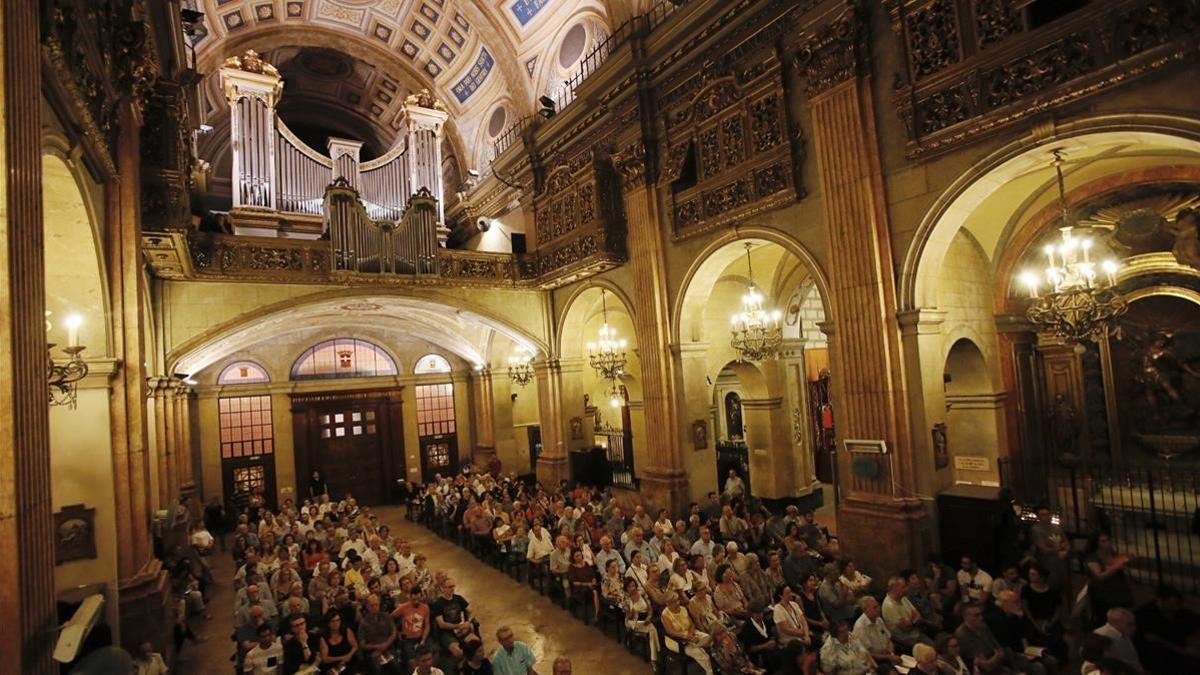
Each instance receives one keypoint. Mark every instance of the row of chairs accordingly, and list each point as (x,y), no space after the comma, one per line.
(610,620)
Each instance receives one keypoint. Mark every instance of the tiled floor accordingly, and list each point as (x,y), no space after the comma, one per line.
(495,597)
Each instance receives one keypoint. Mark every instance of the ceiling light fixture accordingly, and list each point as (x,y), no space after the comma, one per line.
(756,332)
(1080,302)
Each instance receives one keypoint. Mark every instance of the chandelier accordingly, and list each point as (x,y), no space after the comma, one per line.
(1081,301)
(63,378)
(616,395)
(756,332)
(607,356)
(520,368)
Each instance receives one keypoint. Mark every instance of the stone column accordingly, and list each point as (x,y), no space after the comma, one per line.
(552,463)
(700,464)
(485,418)
(663,481)
(141,578)
(182,456)
(770,444)
(187,448)
(880,517)
(27,608)
(924,364)
(800,446)
(160,388)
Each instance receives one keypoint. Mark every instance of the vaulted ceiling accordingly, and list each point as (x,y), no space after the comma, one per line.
(352,62)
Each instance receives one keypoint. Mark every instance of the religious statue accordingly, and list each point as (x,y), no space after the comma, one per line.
(1187,238)
(251,62)
(733,416)
(941,446)
(1160,382)
(1065,426)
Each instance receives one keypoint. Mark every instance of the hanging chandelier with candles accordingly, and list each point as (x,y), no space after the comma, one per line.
(607,356)
(520,368)
(1074,296)
(756,331)
(63,377)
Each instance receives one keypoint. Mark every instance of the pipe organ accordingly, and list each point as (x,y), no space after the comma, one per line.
(384,215)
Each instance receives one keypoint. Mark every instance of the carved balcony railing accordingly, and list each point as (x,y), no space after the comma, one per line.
(973,68)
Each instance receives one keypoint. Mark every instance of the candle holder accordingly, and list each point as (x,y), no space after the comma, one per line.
(63,378)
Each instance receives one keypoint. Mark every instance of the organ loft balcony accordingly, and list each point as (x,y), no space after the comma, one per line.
(281,210)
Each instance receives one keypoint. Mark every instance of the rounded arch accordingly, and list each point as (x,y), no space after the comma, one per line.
(966,370)
(344,357)
(550,70)
(431,363)
(76,279)
(706,266)
(202,350)
(571,323)
(949,210)
(244,371)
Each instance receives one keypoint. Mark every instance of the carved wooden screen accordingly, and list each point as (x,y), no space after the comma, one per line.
(576,225)
(728,152)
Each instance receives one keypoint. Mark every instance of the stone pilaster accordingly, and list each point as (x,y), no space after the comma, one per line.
(485,417)
(160,389)
(924,363)
(27,609)
(664,480)
(552,463)
(141,579)
(869,383)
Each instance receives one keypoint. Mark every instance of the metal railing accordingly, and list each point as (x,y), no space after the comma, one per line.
(1151,510)
(589,64)
(618,444)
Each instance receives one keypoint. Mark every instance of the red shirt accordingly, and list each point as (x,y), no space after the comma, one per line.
(413,620)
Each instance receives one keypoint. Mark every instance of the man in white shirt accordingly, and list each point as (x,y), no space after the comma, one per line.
(873,633)
(704,545)
(900,616)
(405,558)
(267,656)
(148,661)
(606,553)
(1121,626)
(975,584)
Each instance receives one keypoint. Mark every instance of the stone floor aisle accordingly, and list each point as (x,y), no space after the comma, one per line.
(496,600)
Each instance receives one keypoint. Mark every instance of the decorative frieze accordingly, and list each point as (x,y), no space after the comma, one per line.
(958,90)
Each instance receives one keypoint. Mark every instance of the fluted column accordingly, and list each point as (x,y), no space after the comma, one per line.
(27,609)
(664,480)
(485,418)
(552,463)
(160,389)
(186,454)
(869,384)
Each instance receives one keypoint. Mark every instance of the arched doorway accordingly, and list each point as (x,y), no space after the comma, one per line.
(973,428)
(605,416)
(779,436)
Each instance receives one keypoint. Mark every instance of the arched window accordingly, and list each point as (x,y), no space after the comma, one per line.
(343,357)
(431,363)
(243,372)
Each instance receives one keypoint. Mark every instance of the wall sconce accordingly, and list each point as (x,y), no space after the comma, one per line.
(63,378)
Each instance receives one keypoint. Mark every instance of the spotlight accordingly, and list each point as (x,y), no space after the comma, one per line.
(548,106)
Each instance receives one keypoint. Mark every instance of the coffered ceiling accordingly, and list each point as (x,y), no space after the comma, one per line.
(362,57)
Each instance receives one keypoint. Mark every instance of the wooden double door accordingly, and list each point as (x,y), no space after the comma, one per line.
(355,439)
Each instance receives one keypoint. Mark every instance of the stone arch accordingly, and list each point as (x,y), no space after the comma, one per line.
(948,212)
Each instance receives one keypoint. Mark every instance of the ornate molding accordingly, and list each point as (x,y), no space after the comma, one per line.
(1011,71)
(834,52)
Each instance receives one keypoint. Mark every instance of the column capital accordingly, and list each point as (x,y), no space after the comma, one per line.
(826,327)
(921,321)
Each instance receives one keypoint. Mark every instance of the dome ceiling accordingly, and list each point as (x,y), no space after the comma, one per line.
(365,56)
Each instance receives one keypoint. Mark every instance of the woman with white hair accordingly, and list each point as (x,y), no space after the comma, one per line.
(682,635)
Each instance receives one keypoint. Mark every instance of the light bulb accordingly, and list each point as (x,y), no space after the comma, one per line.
(73,322)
